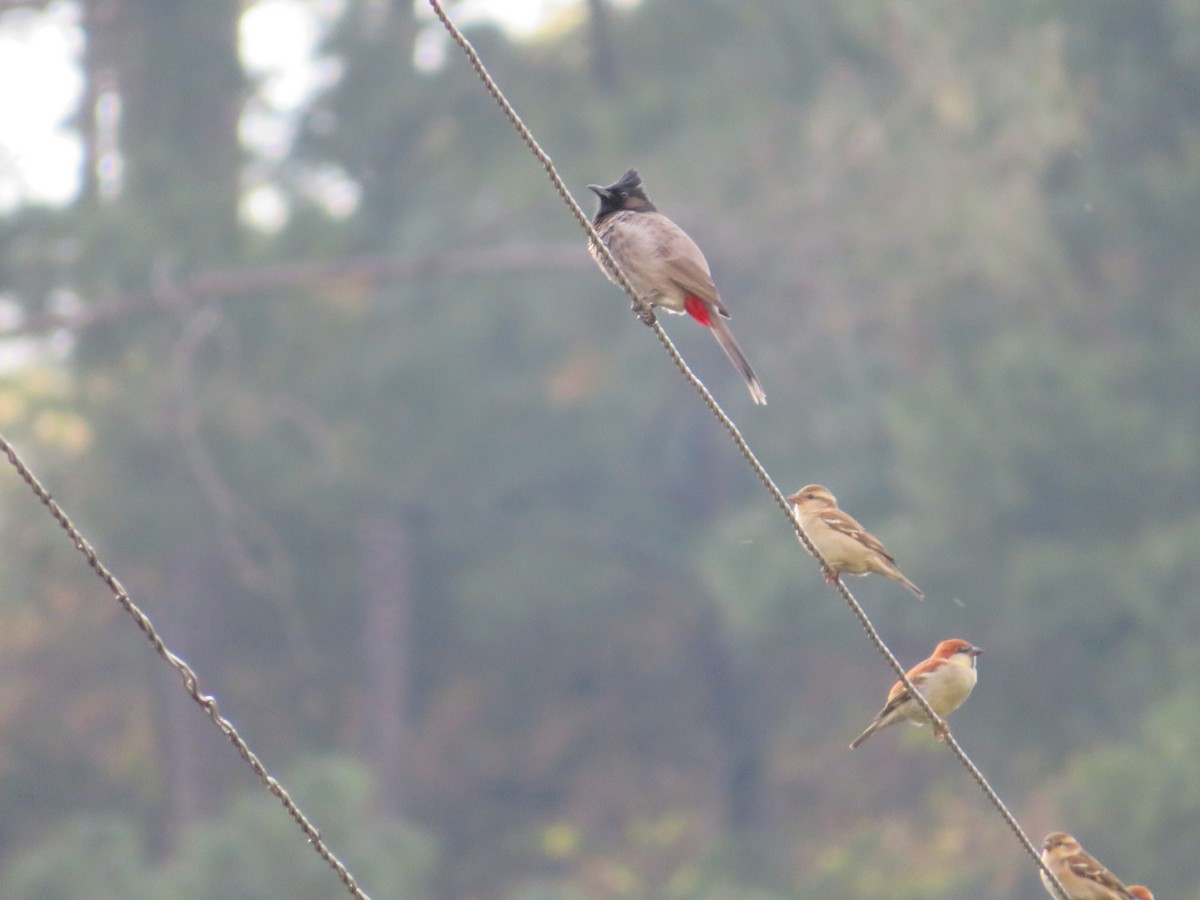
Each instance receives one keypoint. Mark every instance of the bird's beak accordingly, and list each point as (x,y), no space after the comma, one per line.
(975,651)
(600,192)
(795,498)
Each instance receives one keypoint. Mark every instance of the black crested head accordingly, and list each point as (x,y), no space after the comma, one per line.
(630,182)
(624,193)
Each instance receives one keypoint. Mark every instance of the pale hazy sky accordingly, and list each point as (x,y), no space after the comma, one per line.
(40,49)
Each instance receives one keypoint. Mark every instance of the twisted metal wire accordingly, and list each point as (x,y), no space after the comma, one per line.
(646,314)
(191,682)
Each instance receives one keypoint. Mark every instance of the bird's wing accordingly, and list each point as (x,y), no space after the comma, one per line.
(687,265)
(1085,866)
(918,675)
(844,523)
(896,696)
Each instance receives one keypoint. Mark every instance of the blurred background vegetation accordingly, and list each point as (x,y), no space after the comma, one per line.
(334,388)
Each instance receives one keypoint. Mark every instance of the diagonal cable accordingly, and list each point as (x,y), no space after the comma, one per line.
(646,314)
(191,682)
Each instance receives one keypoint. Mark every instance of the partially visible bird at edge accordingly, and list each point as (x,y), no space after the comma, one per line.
(1080,873)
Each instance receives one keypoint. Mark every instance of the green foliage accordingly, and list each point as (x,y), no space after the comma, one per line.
(249,851)
(88,856)
(1149,781)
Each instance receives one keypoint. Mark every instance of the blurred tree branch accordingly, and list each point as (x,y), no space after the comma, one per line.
(373,269)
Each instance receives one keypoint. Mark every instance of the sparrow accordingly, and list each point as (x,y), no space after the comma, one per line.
(847,546)
(1141,893)
(1079,872)
(946,679)
(663,264)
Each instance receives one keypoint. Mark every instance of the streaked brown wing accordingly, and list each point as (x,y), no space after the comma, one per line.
(1085,866)
(844,523)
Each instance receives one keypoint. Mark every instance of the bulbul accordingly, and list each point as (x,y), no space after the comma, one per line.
(848,547)
(664,265)
(1078,871)
(945,680)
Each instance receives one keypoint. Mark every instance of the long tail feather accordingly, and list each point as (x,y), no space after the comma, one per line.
(725,338)
(917,592)
(889,568)
(871,729)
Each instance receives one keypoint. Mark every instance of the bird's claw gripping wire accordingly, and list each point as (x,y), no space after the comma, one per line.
(645,312)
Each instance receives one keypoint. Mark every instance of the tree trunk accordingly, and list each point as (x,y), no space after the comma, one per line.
(387,585)
(174,66)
